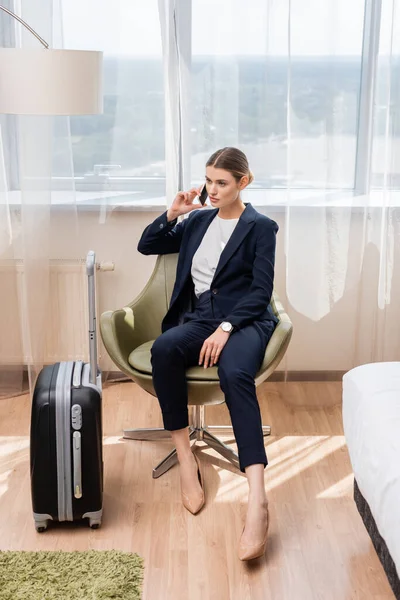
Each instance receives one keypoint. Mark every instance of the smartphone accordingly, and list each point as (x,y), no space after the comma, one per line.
(203,195)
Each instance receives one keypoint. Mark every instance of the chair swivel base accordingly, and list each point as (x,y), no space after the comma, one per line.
(197,432)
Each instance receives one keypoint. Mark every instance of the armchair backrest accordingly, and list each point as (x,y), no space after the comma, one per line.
(150,307)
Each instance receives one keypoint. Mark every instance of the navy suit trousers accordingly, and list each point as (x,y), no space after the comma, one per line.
(179,348)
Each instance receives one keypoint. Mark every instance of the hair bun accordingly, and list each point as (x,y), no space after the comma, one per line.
(250,176)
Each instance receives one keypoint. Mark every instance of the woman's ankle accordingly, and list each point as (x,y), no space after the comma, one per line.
(186,457)
(258,497)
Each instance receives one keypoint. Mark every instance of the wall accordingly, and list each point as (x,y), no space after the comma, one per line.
(334,335)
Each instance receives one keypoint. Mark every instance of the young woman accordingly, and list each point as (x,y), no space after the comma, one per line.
(220,315)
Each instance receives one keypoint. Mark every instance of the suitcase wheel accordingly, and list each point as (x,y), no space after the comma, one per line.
(41,526)
(94,523)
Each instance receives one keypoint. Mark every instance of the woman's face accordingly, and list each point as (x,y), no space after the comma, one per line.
(222,187)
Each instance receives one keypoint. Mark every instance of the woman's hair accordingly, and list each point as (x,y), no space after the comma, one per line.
(232,160)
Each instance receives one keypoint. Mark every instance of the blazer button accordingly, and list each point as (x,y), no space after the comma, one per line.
(215,291)
(161,225)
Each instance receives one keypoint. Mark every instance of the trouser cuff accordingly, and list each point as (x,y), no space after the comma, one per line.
(175,420)
(247,458)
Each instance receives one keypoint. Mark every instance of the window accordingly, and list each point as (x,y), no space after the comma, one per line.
(240,78)
(124,147)
(289,82)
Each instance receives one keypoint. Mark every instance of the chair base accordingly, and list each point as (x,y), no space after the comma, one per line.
(198,432)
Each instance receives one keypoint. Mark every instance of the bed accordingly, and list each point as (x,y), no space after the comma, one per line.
(371,419)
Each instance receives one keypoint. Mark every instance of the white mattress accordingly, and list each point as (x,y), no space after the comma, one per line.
(371,418)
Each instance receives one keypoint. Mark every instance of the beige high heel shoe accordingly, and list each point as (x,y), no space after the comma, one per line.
(194,503)
(246,552)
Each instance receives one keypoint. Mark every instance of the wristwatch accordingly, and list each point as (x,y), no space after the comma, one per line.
(226,326)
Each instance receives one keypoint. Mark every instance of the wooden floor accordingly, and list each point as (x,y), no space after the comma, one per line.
(318,547)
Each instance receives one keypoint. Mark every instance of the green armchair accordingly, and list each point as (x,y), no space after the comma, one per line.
(128,334)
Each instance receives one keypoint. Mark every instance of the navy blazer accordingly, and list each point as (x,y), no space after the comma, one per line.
(243,281)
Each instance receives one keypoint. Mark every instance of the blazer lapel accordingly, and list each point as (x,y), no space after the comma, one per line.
(243,227)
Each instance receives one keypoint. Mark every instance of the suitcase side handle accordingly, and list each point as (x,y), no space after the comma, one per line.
(77,459)
(90,271)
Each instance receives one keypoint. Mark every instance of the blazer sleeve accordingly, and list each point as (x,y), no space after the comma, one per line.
(256,301)
(161,236)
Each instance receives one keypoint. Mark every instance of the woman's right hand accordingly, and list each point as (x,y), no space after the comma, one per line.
(183,203)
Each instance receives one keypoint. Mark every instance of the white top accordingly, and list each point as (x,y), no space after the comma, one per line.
(206,257)
(371,419)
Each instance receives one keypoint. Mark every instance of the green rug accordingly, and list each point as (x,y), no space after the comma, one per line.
(91,575)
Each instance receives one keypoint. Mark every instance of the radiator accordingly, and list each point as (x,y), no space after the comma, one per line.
(67,322)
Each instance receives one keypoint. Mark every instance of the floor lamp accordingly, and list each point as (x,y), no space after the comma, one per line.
(44,81)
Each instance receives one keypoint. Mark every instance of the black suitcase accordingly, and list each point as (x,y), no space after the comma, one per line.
(66,457)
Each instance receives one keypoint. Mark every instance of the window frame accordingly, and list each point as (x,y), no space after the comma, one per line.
(369,62)
(9,123)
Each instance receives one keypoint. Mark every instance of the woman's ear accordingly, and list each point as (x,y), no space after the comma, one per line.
(243,182)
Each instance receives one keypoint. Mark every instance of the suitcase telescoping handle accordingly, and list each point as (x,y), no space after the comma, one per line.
(90,269)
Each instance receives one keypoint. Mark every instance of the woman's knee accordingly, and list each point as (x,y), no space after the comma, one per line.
(233,376)
(162,346)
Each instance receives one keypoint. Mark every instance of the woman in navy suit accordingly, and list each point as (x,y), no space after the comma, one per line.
(219,314)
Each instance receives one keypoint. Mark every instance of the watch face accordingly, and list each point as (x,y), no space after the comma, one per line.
(226,326)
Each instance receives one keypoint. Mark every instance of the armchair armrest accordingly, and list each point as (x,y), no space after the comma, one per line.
(117,333)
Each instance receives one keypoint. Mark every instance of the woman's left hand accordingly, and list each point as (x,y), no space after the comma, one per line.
(212,347)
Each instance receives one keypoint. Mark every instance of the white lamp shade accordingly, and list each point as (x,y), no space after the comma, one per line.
(50,82)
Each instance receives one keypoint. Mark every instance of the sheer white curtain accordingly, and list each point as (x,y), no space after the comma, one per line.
(61,179)
(32,149)
(342,257)
(176,43)
(309,91)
